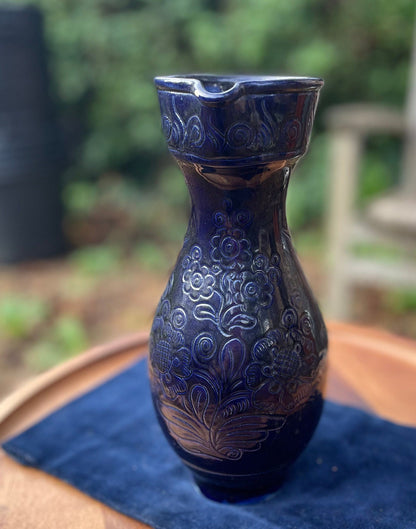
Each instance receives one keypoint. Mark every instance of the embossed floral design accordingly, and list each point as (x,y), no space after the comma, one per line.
(171,359)
(292,132)
(198,283)
(270,267)
(181,134)
(253,291)
(254,288)
(213,419)
(283,364)
(220,394)
(306,324)
(236,285)
(204,347)
(289,318)
(277,360)
(259,130)
(230,248)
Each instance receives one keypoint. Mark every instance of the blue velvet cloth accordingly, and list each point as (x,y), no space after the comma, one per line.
(358,472)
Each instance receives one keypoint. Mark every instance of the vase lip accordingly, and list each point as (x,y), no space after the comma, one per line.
(212,87)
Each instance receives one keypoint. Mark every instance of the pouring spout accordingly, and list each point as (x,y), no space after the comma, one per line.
(207,88)
(212,89)
(238,120)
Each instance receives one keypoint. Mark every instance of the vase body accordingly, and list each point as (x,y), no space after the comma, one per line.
(238,344)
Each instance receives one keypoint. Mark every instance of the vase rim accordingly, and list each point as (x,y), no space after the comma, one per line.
(212,87)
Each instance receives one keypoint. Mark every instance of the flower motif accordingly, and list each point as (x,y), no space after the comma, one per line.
(306,324)
(289,318)
(230,248)
(277,362)
(171,359)
(260,262)
(253,290)
(198,282)
(178,318)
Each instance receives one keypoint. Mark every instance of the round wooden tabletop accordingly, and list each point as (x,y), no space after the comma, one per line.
(368,368)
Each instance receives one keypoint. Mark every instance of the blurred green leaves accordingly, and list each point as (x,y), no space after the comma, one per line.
(319,56)
(105,53)
(19,315)
(97,260)
(65,338)
(307,192)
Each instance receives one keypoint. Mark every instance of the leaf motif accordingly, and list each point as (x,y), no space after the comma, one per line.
(232,359)
(228,284)
(189,433)
(242,321)
(244,433)
(205,311)
(181,422)
(199,398)
(176,387)
(235,318)
(238,403)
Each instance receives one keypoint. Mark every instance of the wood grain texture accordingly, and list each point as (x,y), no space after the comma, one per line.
(30,499)
(370,369)
(376,367)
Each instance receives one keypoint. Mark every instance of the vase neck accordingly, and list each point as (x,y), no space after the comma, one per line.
(220,199)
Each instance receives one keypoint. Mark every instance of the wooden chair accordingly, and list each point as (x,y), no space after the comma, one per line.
(390,219)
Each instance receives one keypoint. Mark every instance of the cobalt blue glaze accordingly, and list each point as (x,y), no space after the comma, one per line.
(238,344)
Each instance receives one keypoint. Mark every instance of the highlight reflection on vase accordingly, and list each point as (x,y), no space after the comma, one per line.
(238,345)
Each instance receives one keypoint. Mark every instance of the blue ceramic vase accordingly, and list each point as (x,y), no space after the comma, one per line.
(238,344)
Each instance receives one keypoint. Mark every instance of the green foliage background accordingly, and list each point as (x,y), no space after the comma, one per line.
(105,53)
(126,203)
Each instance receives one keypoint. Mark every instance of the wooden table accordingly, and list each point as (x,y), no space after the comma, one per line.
(369,369)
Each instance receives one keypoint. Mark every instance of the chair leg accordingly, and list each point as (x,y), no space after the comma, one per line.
(345,152)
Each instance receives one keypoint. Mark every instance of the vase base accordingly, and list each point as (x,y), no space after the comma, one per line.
(239,489)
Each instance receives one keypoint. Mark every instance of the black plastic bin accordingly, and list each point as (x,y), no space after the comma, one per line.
(31,149)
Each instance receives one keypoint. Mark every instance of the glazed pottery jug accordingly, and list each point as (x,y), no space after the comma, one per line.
(238,344)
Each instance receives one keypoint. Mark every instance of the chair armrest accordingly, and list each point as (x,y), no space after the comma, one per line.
(365,118)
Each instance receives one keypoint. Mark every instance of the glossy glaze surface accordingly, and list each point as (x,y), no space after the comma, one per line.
(238,345)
